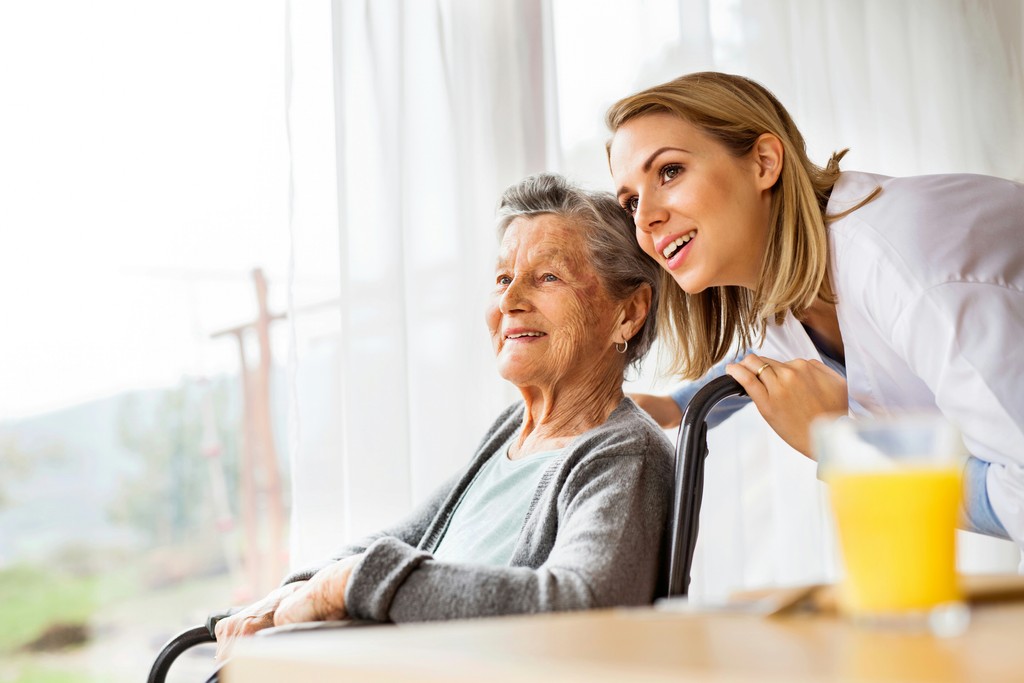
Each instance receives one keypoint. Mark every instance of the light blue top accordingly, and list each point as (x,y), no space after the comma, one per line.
(685,392)
(485,526)
(976,512)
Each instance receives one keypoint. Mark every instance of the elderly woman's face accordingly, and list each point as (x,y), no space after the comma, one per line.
(550,317)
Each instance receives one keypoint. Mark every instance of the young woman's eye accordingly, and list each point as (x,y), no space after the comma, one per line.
(670,172)
(631,205)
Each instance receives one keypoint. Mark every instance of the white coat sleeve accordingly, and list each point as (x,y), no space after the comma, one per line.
(960,339)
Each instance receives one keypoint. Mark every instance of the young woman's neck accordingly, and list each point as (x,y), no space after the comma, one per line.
(822,318)
(556,414)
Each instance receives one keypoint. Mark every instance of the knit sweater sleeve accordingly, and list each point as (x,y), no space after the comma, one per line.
(610,507)
(408,531)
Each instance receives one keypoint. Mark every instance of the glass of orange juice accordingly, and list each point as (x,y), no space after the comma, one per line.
(894,483)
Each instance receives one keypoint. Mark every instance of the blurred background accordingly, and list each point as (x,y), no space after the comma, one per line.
(244,250)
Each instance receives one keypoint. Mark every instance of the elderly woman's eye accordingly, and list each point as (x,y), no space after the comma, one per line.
(504,280)
(670,172)
(548,277)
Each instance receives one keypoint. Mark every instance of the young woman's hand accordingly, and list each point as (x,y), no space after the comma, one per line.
(322,598)
(790,395)
(256,617)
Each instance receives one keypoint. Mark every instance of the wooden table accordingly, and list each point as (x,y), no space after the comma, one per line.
(643,645)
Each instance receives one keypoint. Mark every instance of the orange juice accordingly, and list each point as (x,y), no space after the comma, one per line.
(897,532)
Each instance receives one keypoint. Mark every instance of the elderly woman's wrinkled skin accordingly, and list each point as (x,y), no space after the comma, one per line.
(319,599)
(255,617)
(554,326)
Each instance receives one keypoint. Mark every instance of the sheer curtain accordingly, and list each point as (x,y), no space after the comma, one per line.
(440,104)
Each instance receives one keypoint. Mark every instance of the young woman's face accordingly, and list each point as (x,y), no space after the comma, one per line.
(700,212)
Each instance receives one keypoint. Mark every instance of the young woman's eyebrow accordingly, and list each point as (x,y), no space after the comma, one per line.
(649,163)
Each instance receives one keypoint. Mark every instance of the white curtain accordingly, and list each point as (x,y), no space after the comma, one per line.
(925,86)
(440,104)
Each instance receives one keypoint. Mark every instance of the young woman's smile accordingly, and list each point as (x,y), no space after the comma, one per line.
(699,211)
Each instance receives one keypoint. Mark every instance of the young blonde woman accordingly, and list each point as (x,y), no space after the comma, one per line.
(863,292)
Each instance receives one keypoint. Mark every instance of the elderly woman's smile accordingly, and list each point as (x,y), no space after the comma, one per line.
(519,334)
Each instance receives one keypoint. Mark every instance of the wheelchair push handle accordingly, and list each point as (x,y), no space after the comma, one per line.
(691,449)
(183,641)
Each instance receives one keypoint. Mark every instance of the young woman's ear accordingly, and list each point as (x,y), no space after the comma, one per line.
(768,155)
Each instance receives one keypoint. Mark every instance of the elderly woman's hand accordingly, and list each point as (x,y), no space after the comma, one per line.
(255,617)
(322,598)
(790,395)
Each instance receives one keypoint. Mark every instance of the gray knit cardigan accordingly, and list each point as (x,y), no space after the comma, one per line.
(593,537)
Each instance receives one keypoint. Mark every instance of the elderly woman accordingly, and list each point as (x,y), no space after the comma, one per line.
(563,505)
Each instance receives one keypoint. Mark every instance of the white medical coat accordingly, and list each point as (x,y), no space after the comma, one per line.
(929,280)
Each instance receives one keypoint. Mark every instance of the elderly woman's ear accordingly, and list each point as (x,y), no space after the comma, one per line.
(633,313)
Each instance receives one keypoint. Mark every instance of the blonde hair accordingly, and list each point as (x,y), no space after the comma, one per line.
(700,329)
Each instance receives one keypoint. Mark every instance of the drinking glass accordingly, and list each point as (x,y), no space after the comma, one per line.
(895,487)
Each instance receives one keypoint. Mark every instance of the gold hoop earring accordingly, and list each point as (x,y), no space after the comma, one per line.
(625,345)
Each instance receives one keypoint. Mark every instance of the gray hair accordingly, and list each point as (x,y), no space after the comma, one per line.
(609,236)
